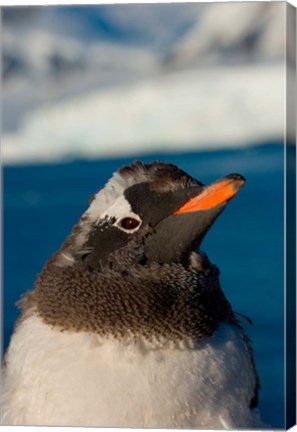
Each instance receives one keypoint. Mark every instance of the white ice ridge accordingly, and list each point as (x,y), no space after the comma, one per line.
(200,109)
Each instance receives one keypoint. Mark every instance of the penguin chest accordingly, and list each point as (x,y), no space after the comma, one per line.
(75,379)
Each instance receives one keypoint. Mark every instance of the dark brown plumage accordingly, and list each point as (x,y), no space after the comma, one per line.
(151,301)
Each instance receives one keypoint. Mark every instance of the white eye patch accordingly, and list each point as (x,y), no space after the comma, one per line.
(125,218)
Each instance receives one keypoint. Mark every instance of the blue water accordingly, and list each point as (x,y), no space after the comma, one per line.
(41,204)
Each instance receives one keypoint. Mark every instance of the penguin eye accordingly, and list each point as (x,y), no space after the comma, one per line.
(129,223)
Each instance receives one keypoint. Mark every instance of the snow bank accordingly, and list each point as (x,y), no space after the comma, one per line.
(190,110)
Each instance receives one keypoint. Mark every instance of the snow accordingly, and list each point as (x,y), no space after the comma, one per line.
(133,79)
(232,31)
(190,110)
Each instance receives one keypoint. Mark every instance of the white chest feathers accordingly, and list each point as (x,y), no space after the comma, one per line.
(58,378)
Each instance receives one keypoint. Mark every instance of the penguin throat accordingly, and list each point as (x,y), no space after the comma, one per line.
(150,301)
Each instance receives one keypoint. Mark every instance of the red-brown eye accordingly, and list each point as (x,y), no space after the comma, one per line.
(129,223)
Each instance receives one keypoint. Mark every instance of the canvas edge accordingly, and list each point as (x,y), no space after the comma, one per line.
(290,220)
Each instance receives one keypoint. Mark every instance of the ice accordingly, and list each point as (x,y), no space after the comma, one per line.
(206,109)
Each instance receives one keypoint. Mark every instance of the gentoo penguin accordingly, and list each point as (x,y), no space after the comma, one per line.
(127,325)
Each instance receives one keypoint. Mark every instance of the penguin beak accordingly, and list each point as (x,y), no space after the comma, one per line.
(182,232)
(219,192)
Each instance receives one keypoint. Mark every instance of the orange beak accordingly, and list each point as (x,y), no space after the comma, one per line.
(213,195)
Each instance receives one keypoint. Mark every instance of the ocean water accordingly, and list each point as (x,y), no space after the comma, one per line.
(41,204)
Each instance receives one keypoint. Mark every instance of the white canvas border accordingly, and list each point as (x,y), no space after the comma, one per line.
(11,3)
(95,2)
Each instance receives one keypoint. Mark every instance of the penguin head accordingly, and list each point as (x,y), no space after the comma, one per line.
(161,206)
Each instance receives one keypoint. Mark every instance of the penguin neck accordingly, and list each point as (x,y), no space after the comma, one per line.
(155,302)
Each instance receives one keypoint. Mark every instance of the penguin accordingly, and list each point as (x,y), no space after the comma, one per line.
(127,324)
